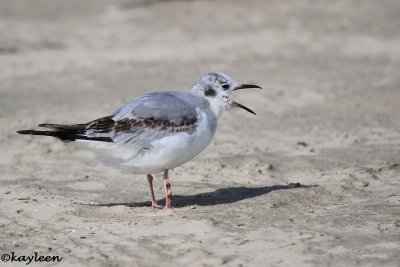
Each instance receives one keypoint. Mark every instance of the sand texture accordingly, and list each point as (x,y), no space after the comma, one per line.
(312,180)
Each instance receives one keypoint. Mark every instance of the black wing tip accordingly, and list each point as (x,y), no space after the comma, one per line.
(24,132)
(46,125)
(65,135)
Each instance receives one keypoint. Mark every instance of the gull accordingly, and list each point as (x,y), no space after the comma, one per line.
(158,131)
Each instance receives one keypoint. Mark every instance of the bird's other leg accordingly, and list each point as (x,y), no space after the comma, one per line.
(153,199)
(168,192)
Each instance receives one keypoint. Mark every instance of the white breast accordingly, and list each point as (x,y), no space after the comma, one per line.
(174,150)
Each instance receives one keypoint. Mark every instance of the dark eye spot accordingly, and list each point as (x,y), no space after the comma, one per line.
(209,92)
(225,86)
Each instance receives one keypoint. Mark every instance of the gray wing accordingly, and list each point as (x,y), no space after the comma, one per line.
(148,118)
(172,106)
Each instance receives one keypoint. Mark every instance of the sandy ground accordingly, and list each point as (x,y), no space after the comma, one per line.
(313,180)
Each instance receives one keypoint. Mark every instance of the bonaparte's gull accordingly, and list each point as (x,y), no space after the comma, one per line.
(158,131)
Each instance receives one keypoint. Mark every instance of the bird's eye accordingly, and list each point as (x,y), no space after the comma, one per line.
(225,86)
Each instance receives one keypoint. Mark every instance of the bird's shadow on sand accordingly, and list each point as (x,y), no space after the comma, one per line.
(220,196)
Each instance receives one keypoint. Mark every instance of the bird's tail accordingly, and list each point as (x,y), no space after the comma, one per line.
(64,132)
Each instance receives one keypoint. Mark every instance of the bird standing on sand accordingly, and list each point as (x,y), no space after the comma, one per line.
(158,131)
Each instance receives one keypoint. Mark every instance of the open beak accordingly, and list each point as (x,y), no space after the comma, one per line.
(246,86)
(236,104)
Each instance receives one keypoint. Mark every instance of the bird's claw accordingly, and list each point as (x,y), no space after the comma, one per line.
(154,205)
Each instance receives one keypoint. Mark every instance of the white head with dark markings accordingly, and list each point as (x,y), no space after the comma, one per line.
(216,88)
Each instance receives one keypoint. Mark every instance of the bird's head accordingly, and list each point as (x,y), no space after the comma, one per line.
(216,88)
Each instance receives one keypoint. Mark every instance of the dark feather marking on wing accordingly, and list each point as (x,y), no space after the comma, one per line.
(102,125)
(134,125)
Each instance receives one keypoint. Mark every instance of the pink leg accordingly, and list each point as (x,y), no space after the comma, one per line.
(168,192)
(153,199)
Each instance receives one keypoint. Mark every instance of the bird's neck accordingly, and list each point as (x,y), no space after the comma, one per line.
(215,107)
